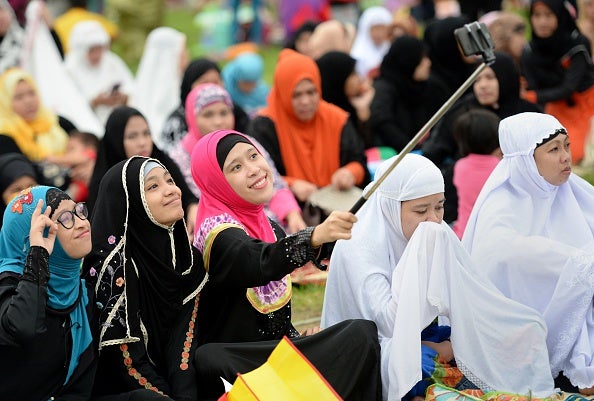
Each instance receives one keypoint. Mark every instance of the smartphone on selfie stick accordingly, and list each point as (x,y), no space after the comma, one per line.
(474,40)
(116,87)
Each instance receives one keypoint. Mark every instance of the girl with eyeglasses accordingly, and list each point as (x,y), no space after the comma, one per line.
(46,310)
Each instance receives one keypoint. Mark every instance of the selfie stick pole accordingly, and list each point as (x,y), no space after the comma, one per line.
(422,132)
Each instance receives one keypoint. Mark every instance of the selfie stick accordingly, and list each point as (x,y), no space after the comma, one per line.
(474,39)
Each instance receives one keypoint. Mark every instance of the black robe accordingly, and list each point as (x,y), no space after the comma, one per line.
(238,338)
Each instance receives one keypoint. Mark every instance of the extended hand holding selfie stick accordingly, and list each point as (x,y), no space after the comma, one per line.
(475,40)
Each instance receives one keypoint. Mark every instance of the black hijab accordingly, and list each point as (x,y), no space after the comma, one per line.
(508,76)
(12,167)
(307,26)
(145,270)
(335,67)
(193,71)
(565,37)
(111,151)
(398,67)
(447,63)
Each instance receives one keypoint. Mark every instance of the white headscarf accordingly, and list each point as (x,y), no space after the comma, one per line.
(58,91)
(403,285)
(158,79)
(93,80)
(364,50)
(534,241)
(11,46)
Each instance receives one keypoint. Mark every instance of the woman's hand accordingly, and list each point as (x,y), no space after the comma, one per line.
(310,331)
(295,221)
(191,219)
(303,189)
(444,349)
(39,221)
(587,391)
(336,226)
(362,103)
(343,179)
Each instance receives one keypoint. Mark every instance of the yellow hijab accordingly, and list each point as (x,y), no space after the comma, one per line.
(37,138)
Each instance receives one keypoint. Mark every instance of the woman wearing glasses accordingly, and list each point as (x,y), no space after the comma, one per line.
(45,335)
(46,338)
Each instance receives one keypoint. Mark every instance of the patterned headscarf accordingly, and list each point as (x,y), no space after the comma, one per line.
(64,288)
(201,96)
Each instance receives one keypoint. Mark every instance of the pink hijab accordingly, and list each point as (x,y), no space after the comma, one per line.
(221,207)
(199,97)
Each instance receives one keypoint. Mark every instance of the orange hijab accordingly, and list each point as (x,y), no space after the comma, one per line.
(310,150)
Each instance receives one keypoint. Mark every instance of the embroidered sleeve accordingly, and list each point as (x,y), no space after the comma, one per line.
(299,251)
(37,266)
(22,306)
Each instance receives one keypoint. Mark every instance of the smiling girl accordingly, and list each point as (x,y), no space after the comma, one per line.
(246,308)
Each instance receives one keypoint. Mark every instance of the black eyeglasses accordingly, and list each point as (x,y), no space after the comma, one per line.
(66,218)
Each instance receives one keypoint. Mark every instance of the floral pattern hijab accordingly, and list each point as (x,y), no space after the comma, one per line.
(65,289)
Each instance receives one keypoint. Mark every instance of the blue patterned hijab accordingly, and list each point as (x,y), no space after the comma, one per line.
(65,288)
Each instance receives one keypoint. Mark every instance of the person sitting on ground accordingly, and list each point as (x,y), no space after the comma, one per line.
(147,279)
(403,267)
(476,133)
(209,108)
(101,76)
(199,71)
(242,78)
(311,141)
(46,310)
(127,134)
(558,68)
(246,307)
(531,232)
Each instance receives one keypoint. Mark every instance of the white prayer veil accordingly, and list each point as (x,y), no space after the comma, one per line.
(11,44)
(402,286)
(58,91)
(93,80)
(158,79)
(365,51)
(534,241)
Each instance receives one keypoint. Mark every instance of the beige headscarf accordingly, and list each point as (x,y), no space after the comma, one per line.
(331,35)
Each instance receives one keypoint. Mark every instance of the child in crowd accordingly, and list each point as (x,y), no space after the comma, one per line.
(81,151)
(476,133)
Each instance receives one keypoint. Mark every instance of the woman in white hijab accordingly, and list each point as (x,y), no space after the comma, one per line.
(372,41)
(410,267)
(102,77)
(158,79)
(11,38)
(531,233)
